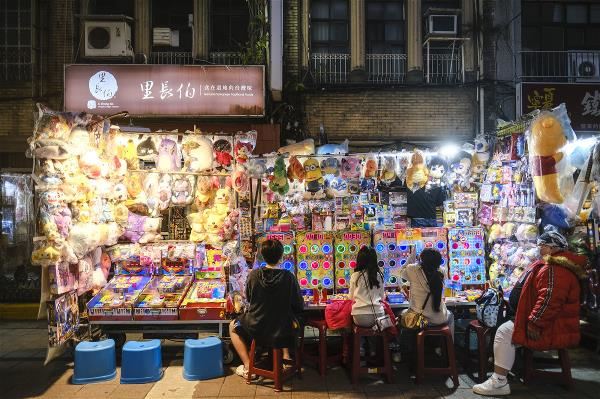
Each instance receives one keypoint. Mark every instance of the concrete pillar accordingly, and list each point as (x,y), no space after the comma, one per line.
(305,44)
(143,27)
(357,41)
(414,43)
(468,20)
(201,47)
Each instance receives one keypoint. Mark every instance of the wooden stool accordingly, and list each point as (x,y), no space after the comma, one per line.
(322,359)
(357,370)
(277,374)
(564,375)
(482,348)
(440,331)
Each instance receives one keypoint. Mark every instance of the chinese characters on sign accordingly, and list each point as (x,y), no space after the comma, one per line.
(162,90)
(582,101)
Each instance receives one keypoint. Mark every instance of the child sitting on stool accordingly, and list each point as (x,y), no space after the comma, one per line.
(274,301)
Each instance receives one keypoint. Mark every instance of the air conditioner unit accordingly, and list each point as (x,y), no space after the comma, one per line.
(584,66)
(165,37)
(442,24)
(108,39)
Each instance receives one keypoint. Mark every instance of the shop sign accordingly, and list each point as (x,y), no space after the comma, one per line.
(166,90)
(582,101)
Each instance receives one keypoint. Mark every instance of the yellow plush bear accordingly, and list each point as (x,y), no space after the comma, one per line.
(417,174)
(545,142)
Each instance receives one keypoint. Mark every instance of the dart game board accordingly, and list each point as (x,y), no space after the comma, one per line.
(288,261)
(315,259)
(347,245)
(466,255)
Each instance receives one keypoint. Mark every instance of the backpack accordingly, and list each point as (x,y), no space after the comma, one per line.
(338,314)
(491,308)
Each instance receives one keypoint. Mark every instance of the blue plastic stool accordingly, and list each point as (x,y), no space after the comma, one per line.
(95,362)
(203,359)
(141,362)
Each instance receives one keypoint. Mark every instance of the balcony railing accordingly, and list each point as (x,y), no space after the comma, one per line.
(386,68)
(567,66)
(330,68)
(171,58)
(443,68)
(225,58)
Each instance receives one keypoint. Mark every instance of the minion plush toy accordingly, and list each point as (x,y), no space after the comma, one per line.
(313,176)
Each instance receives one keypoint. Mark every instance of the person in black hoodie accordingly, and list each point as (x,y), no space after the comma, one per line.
(274,301)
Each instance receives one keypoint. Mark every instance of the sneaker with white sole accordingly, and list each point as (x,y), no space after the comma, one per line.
(242,372)
(492,387)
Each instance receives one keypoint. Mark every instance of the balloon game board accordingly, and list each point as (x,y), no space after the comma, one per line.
(467,255)
(315,259)
(289,257)
(115,301)
(205,300)
(347,245)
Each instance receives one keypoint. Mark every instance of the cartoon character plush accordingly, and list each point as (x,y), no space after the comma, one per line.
(295,171)
(196,221)
(222,202)
(212,224)
(135,187)
(146,150)
(205,187)
(117,168)
(313,176)
(437,171)
(91,165)
(526,233)
(119,192)
(482,148)
(545,142)
(182,192)
(333,149)
(241,181)
(461,171)
(417,174)
(305,147)
(151,190)
(164,192)
(223,150)
(279,182)
(197,153)
(242,151)
(478,167)
(370,170)
(129,154)
(330,166)
(495,233)
(228,230)
(142,229)
(387,175)
(168,156)
(351,167)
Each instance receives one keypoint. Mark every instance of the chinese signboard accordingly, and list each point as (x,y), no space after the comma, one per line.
(582,101)
(161,90)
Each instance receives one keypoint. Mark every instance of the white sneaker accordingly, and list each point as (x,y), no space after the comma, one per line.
(492,387)
(242,372)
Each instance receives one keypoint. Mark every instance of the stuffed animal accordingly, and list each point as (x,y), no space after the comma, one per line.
(197,153)
(51,124)
(370,170)
(168,156)
(129,154)
(79,140)
(461,172)
(306,147)
(151,191)
(135,187)
(482,148)
(196,222)
(526,233)
(142,229)
(279,182)
(336,186)
(333,149)
(121,213)
(223,153)
(45,255)
(50,149)
(437,171)
(85,268)
(495,233)
(241,181)
(257,167)
(387,175)
(117,168)
(222,202)
(229,228)
(146,150)
(545,142)
(295,171)
(212,225)
(313,176)
(205,187)
(242,151)
(417,175)
(508,230)
(182,192)
(119,192)
(351,167)
(164,192)
(330,166)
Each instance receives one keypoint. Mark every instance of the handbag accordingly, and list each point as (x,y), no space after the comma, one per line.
(413,320)
(381,322)
(490,307)
(338,314)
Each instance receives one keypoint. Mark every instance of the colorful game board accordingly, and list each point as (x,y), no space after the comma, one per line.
(467,255)
(315,259)
(347,245)
(161,297)
(205,300)
(289,256)
(115,301)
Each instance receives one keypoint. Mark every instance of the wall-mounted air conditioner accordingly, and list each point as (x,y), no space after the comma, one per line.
(438,24)
(584,66)
(108,39)
(165,37)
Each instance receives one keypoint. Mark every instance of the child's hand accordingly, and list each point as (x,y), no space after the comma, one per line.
(412,255)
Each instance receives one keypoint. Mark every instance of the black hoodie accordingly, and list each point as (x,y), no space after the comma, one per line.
(274,301)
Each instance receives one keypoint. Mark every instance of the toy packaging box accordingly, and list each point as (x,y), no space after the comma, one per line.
(63,318)
(347,245)
(288,261)
(315,260)
(466,255)
(205,300)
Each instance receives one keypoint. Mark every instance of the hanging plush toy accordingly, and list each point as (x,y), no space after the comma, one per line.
(164,192)
(241,181)
(461,172)
(306,147)
(370,168)
(313,176)
(295,171)
(351,169)
(336,186)
(417,174)
(168,156)
(387,175)
(279,182)
(437,171)
(245,143)
(146,150)
(223,153)
(205,188)
(130,154)
(545,142)
(182,192)
(197,153)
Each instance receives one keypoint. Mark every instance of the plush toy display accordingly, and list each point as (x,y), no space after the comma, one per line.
(142,229)
(245,143)
(313,176)
(330,166)
(223,153)
(333,149)
(417,174)
(196,221)
(205,187)
(197,154)
(370,168)
(279,182)
(295,171)
(336,186)
(306,147)
(437,171)
(222,202)
(241,181)
(545,142)
(168,156)
(164,192)
(461,172)
(129,154)
(182,192)
(146,150)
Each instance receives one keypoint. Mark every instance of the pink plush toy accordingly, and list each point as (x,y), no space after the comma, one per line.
(168,156)
(351,168)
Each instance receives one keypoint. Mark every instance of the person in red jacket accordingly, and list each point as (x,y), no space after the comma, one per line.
(543,308)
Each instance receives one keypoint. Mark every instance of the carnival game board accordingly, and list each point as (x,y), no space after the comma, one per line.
(161,297)
(347,245)
(466,255)
(289,256)
(116,300)
(315,259)
(205,300)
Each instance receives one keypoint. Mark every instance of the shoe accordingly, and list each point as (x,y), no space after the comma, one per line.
(396,357)
(492,387)
(242,372)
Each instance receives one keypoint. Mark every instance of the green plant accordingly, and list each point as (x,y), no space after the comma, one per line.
(255,50)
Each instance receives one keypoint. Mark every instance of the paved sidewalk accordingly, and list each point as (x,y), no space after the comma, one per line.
(22,375)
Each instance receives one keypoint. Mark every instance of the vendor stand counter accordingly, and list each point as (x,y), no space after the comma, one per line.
(397,306)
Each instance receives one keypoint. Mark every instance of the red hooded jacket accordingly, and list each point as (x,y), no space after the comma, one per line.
(550,301)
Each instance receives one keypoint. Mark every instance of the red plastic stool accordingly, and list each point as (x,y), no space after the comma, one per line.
(564,376)
(322,359)
(482,348)
(357,370)
(440,331)
(277,374)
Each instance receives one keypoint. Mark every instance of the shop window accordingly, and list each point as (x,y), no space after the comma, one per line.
(177,16)
(329,26)
(577,13)
(229,25)
(386,27)
(15,40)
(111,7)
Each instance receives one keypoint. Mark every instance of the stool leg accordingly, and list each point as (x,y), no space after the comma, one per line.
(565,365)
(528,372)
(387,359)
(322,351)
(346,344)
(420,358)
(277,369)
(467,360)
(355,358)
(251,366)
(482,352)
(452,360)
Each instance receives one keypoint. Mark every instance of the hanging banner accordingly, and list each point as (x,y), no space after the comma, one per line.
(166,90)
(582,101)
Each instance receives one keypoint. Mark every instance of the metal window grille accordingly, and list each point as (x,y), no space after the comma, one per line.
(386,68)
(15,40)
(330,68)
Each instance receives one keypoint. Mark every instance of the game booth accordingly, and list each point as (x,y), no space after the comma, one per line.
(156,232)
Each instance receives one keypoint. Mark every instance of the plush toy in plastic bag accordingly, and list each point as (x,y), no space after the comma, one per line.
(146,149)
(169,159)
(182,192)
(244,144)
(198,153)
(417,173)
(278,181)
